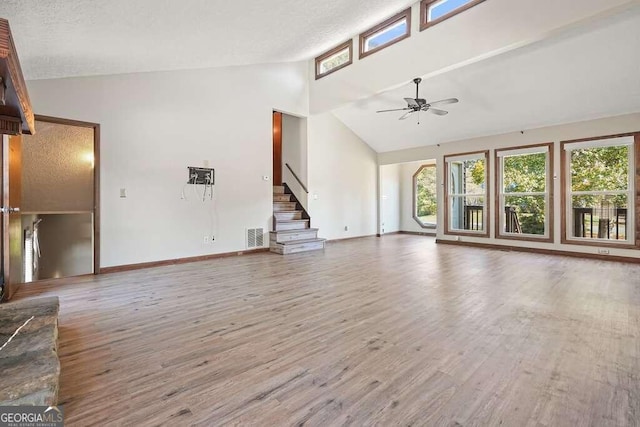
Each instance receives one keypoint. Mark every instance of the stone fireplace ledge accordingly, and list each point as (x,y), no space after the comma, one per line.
(29,365)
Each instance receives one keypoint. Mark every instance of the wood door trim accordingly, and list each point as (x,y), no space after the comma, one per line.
(4,165)
(96,178)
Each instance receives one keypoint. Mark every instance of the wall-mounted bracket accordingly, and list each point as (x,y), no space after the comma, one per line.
(201,176)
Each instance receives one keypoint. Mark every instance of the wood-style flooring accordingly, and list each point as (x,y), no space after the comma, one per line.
(391,331)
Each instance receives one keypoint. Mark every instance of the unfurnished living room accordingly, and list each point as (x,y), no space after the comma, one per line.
(384,212)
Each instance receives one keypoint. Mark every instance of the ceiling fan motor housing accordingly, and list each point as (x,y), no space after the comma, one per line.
(418,104)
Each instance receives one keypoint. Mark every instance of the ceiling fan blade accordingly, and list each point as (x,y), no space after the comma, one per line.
(395,109)
(406,115)
(412,102)
(437,112)
(444,101)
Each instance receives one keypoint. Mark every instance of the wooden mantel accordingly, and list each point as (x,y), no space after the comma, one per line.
(16,116)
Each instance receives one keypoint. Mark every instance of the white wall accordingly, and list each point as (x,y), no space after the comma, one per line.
(592,128)
(390,205)
(294,152)
(154,125)
(343,174)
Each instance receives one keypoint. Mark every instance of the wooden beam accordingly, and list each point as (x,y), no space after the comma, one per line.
(17,104)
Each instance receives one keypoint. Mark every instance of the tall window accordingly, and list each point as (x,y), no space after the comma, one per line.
(600,199)
(335,59)
(466,194)
(434,11)
(385,34)
(425,198)
(524,180)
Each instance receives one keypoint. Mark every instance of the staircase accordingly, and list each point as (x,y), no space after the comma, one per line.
(291,224)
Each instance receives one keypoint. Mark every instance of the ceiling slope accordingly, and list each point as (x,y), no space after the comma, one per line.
(80,37)
(489,29)
(588,72)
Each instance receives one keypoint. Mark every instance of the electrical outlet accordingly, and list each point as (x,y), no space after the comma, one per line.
(205,240)
(603,251)
(213,238)
(346,228)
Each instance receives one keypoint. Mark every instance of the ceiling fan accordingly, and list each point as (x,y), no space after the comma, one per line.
(417,104)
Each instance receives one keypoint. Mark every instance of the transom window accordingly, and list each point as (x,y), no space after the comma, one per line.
(524,178)
(434,11)
(425,196)
(391,31)
(600,198)
(335,59)
(466,194)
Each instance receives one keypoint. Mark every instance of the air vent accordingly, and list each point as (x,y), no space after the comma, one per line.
(255,238)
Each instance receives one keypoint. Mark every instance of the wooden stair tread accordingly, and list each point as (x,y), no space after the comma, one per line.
(293,231)
(301,241)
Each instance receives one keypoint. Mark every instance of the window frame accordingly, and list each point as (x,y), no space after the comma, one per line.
(346,45)
(548,237)
(405,14)
(424,12)
(633,202)
(487,205)
(429,226)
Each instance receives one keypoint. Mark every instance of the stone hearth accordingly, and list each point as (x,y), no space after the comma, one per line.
(29,365)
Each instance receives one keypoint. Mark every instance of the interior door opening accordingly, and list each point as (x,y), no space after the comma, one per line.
(59,222)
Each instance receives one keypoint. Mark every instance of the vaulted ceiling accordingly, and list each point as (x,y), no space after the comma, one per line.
(583,65)
(78,37)
(590,71)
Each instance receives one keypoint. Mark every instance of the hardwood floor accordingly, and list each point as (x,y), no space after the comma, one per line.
(391,331)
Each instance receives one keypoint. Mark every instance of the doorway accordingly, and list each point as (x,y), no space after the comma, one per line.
(53,179)
(290,153)
(277,148)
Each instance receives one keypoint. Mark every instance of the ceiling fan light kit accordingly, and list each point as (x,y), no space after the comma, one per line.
(417,104)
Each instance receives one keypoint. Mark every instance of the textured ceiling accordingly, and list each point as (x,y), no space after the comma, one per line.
(589,72)
(63,38)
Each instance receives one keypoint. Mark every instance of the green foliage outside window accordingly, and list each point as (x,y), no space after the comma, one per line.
(477,172)
(526,174)
(334,62)
(426,196)
(600,169)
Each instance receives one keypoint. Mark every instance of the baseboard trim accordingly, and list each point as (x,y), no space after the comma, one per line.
(141,266)
(350,238)
(507,248)
(418,233)
(411,233)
